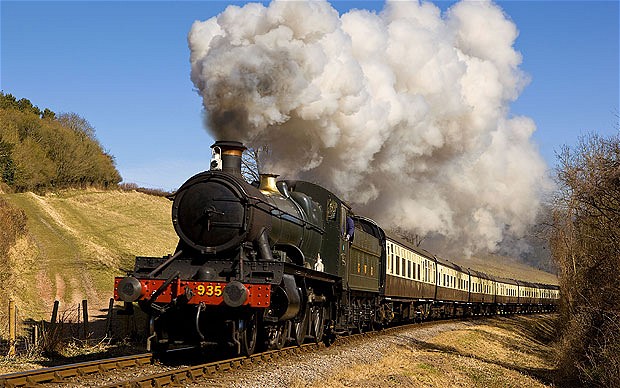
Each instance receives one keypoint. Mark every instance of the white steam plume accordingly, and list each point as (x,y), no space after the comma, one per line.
(404,113)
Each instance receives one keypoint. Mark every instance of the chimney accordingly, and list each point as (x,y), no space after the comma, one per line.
(227,156)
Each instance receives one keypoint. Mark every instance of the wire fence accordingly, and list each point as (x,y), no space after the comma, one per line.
(20,335)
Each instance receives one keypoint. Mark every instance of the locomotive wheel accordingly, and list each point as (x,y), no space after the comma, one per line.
(316,320)
(248,335)
(275,336)
(282,335)
(300,328)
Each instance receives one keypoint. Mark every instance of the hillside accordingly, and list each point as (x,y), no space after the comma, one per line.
(77,241)
(508,268)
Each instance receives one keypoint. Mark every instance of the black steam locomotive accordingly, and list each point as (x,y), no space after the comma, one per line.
(259,266)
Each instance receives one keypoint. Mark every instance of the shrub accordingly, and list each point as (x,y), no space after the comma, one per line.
(13,223)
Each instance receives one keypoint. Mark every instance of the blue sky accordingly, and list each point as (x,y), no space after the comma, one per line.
(124,66)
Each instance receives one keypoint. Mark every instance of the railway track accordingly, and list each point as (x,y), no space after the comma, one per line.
(60,373)
(175,376)
(188,374)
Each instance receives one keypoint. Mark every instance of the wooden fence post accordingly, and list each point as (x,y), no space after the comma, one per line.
(54,312)
(85,315)
(108,326)
(12,329)
(35,334)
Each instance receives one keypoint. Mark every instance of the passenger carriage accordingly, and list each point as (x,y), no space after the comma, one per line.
(452,289)
(409,286)
(506,297)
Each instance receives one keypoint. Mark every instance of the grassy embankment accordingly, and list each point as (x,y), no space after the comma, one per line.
(503,352)
(77,241)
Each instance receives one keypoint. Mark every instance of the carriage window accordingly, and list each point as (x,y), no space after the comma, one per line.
(404,267)
(397,265)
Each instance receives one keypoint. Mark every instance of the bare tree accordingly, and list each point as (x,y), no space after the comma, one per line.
(409,236)
(252,162)
(585,244)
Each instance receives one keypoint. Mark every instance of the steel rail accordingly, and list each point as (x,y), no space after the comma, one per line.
(187,374)
(57,374)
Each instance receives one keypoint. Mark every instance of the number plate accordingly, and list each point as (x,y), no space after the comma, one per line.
(210,293)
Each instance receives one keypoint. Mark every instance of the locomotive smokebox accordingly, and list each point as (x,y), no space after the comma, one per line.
(229,152)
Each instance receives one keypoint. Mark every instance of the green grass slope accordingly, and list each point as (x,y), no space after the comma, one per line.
(77,241)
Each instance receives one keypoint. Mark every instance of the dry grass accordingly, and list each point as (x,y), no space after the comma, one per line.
(509,352)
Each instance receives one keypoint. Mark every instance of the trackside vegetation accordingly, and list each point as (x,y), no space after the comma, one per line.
(41,150)
(585,244)
(13,222)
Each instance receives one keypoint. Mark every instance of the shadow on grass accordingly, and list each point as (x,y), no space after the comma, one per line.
(537,334)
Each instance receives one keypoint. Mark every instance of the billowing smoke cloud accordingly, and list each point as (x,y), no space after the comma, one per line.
(404,113)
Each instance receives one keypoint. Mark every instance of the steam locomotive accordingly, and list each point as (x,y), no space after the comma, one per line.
(260,266)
